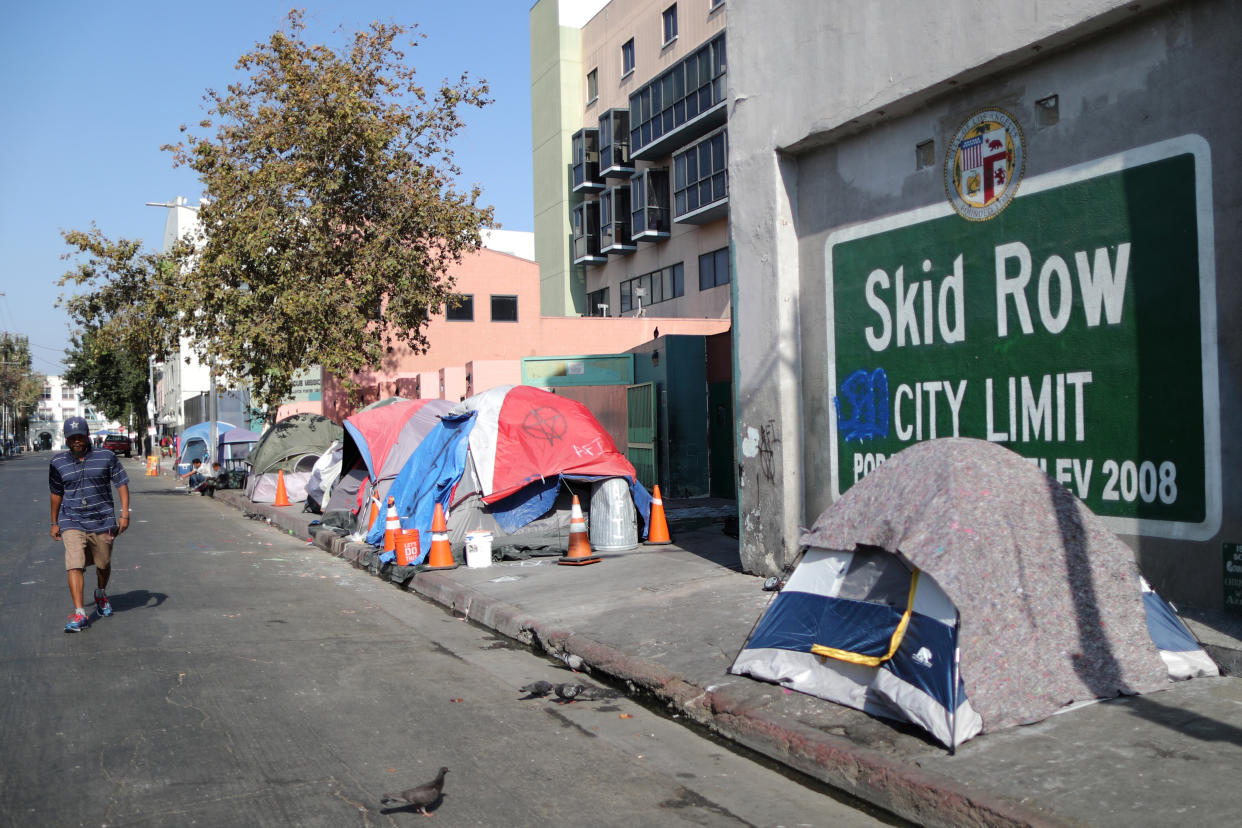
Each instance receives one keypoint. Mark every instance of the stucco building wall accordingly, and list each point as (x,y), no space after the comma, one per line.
(832,133)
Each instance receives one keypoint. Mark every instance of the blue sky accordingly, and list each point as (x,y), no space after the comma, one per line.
(89,92)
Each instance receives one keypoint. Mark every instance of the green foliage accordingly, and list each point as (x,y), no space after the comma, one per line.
(20,387)
(113,379)
(330,223)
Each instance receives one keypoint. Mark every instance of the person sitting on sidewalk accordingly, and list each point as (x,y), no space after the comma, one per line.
(194,477)
(208,485)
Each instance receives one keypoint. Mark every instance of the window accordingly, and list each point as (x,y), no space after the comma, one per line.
(712,5)
(584,219)
(714,268)
(592,89)
(585,147)
(460,308)
(649,214)
(627,57)
(653,288)
(699,175)
(614,144)
(597,302)
(690,93)
(504,308)
(670,24)
(614,220)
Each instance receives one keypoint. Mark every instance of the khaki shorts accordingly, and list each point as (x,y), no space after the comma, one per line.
(85,548)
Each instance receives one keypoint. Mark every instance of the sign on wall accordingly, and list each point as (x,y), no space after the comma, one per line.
(1077,328)
(307,385)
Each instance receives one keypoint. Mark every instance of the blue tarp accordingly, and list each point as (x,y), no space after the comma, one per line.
(428,478)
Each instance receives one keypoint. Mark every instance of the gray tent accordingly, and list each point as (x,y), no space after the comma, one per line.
(379,439)
(293,446)
(961,546)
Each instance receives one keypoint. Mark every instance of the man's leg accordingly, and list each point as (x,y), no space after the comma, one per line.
(101,552)
(75,586)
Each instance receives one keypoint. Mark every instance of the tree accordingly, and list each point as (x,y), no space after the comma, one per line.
(115,380)
(330,222)
(19,385)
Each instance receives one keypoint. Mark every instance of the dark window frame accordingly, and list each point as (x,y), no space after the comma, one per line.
(694,187)
(504,297)
(596,298)
(658,286)
(460,308)
(711,265)
(668,20)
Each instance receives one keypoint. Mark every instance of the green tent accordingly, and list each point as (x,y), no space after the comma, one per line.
(292,446)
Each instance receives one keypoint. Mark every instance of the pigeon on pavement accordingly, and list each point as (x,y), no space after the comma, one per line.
(537,689)
(568,692)
(419,797)
(573,662)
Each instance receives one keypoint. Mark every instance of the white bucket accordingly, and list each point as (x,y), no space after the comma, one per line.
(478,549)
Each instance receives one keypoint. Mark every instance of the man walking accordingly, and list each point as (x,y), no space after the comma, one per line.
(81,481)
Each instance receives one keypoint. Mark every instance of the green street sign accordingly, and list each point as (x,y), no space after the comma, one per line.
(1077,328)
(1233,576)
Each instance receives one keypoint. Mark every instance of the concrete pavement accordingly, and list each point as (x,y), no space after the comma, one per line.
(669,620)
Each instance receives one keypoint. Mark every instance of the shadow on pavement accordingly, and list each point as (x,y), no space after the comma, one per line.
(136,599)
(1183,721)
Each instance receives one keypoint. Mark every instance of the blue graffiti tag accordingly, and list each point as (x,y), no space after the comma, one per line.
(866,396)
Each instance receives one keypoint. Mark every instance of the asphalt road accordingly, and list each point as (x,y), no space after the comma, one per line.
(249,679)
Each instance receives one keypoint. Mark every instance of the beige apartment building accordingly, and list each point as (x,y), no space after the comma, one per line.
(630,151)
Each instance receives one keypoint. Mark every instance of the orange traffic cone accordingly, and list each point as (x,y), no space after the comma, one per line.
(374,512)
(391,527)
(657,531)
(441,554)
(282,497)
(579,553)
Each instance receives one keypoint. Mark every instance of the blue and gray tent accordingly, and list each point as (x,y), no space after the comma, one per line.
(959,588)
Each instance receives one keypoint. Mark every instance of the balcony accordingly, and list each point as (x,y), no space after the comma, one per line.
(701,181)
(585,221)
(614,144)
(614,221)
(649,213)
(681,105)
(585,169)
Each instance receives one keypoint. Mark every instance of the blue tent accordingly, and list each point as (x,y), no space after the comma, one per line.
(194,443)
(959,588)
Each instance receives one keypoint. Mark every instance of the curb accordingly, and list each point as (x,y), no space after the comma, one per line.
(912,793)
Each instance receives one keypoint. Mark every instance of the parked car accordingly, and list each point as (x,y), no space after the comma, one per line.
(118,444)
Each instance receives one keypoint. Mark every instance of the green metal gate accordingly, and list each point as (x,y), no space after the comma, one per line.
(640,431)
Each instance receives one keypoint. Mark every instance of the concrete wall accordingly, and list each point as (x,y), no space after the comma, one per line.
(825,146)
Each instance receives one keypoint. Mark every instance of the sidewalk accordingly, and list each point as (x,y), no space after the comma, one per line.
(668,621)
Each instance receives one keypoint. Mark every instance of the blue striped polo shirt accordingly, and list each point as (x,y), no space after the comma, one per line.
(86,486)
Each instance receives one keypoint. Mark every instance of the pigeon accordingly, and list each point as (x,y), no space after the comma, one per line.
(419,797)
(537,689)
(573,662)
(568,692)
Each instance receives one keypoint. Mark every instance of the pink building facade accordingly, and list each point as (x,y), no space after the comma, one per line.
(480,343)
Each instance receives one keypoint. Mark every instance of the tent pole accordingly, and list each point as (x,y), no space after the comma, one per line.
(957,660)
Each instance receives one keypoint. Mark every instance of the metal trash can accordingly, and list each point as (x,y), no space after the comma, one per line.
(613,525)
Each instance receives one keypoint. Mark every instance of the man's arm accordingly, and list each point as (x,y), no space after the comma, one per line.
(123,519)
(56,500)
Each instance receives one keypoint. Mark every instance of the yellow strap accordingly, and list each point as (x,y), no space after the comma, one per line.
(898,634)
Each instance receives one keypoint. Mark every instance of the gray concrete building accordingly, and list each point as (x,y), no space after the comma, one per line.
(1015,222)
